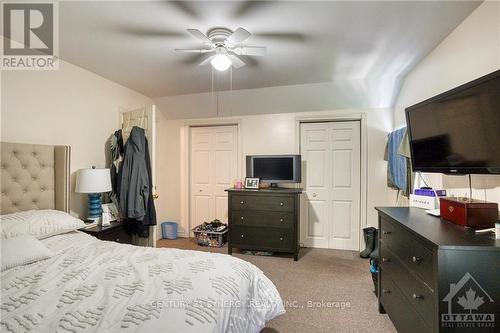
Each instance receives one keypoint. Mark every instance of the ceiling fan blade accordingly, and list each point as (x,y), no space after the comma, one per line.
(258,51)
(146,32)
(194,50)
(250,7)
(200,36)
(284,36)
(206,61)
(238,36)
(185,7)
(236,61)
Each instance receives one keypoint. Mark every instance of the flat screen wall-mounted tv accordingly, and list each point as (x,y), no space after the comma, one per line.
(274,168)
(458,132)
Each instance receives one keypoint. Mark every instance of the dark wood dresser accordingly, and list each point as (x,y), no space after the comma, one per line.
(265,219)
(435,276)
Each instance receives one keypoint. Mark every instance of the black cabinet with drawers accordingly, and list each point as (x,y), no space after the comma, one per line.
(114,232)
(265,219)
(435,276)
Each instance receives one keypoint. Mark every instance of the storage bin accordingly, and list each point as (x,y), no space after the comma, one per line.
(169,230)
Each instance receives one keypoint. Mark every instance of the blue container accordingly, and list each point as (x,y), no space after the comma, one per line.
(169,230)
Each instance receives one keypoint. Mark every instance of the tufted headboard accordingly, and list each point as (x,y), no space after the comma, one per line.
(34,177)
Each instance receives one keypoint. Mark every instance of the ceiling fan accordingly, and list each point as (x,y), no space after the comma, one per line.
(223,47)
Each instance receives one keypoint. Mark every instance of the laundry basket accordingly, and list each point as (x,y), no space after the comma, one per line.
(210,238)
(169,230)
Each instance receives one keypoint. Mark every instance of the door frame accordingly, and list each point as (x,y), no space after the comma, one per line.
(361,117)
(185,168)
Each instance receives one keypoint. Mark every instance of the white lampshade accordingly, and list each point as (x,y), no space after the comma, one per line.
(93,181)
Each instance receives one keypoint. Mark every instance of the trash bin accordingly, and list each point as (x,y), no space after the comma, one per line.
(169,230)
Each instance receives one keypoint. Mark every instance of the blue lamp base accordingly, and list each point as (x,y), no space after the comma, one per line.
(95,209)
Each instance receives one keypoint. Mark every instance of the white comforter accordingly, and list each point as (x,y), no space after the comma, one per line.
(92,285)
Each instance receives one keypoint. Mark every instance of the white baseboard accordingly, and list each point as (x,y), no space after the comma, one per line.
(179,234)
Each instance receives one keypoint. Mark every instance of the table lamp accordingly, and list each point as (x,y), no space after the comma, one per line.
(94,182)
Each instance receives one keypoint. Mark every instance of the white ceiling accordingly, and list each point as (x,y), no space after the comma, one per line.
(133,43)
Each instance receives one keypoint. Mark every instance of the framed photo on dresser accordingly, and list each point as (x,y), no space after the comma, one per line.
(252,183)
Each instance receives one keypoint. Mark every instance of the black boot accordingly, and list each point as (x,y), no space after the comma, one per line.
(369,235)
(374,254)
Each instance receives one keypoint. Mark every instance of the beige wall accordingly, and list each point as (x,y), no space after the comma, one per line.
(70,106)
(338,95)
(269,134)
(470,51)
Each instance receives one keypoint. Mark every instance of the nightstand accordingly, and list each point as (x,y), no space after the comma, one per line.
(114,232)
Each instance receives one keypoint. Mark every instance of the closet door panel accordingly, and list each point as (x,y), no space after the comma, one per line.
(214,167)
(316,169)
(345,185)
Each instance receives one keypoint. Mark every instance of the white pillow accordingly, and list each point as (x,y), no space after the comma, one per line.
(39,223)
(22,250)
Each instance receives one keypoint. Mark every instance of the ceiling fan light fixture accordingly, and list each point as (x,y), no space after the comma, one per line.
(221,62)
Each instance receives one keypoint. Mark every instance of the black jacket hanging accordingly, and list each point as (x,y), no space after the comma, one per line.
(117,152)
(136,185)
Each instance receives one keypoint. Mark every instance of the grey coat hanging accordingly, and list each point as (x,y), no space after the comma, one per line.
(136,193)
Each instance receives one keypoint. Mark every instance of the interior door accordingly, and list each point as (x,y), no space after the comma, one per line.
(213,167)
(315,146)
(331,159)
(145,118)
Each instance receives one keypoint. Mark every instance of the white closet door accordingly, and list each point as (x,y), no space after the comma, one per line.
(345,185)
(315,146)
(331,158)
(214,165)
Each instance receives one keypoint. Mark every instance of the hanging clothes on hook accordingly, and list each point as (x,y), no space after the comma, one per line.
(135,194)
(117,152)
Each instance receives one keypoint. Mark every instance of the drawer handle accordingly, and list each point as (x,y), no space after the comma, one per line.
(242,218)
(117,240)
(415,296)
(242,202)
(281,204)
(386,232)
(386,291)
(242,236)
(281,238)
(416,259)
(386,260)
(281,220)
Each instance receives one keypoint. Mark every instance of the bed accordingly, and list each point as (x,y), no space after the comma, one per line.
(89,285)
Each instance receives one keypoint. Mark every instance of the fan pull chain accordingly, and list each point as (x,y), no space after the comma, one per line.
(212,96)
(231,91)
(217,84)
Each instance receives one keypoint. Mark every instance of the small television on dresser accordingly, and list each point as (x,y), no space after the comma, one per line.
(274,169)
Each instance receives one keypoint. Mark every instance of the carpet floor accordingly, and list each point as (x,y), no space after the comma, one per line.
(325,291)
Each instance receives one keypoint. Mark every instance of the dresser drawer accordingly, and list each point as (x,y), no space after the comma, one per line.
(258,202)
(411,250)
(119,236)
(417,294)
(402,314)
(272,239)
(263,219)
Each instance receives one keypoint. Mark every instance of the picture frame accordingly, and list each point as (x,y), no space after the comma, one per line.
(252,183)
(110,211)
